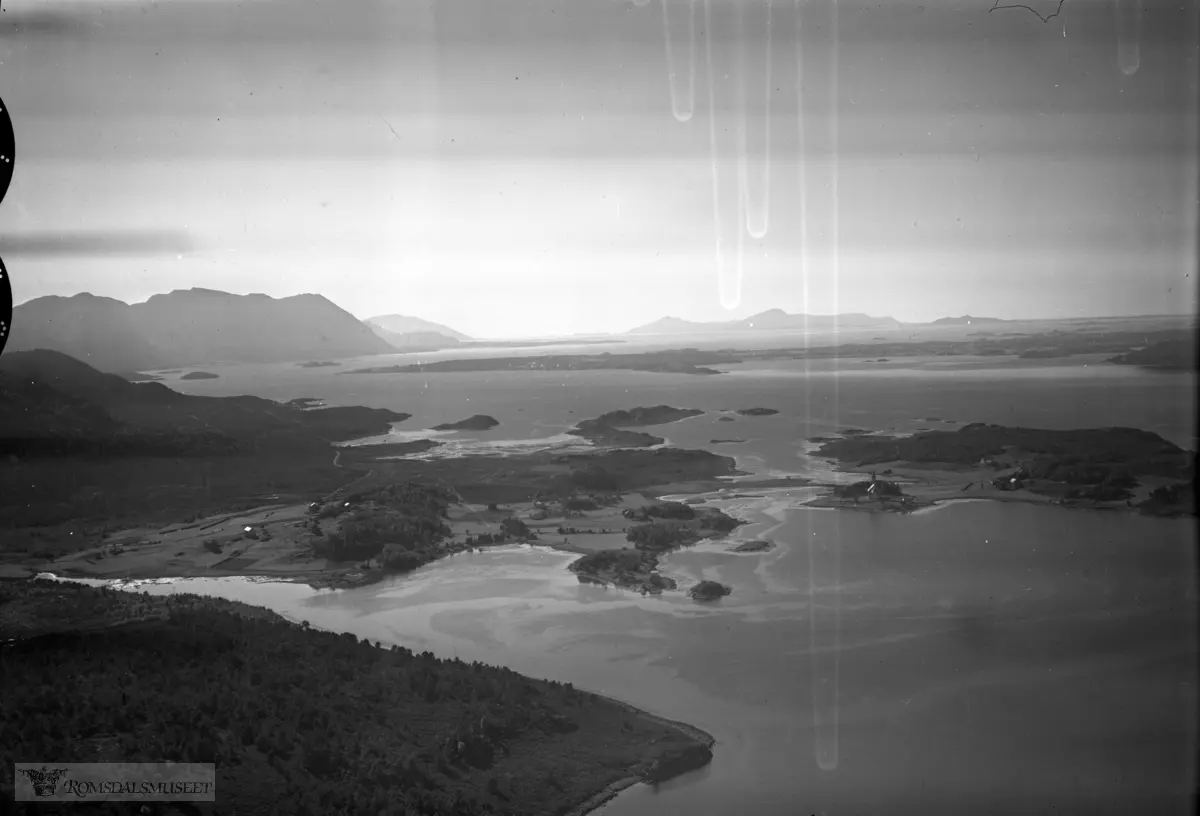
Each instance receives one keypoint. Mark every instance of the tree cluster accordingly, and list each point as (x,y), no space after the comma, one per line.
(401,523)
(661,535)
(670,510)
(610,560)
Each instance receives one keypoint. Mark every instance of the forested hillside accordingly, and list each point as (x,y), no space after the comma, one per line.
(301,721)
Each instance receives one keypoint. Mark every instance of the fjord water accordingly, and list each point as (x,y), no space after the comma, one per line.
(991,658)
(813,398)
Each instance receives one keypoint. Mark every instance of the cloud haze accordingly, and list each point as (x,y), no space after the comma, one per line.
(472,161)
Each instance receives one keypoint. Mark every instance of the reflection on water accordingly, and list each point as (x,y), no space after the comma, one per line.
(992,658)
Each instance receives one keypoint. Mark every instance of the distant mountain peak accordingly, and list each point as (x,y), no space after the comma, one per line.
(398,324)
(769,320)
(190,327)
(966,320)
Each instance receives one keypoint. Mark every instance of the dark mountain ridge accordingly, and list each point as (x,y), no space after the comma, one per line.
(53,404)
(190,327)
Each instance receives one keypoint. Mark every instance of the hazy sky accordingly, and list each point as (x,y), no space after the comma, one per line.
(512,167)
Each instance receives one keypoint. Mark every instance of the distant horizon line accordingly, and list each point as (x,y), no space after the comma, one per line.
(625,332)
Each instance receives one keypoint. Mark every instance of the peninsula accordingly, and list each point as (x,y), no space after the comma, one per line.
(312,711)
(1095,467)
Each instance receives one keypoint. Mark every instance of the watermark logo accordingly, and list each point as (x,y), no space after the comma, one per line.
(43,779)
(116,782)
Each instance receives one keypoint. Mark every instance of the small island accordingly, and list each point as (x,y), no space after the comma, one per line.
(478,422)
(640,416)
(752,546)
(318,364)
(199,375)
(709,591)
(758,412)
(725,419)
(725,441)
(607,430)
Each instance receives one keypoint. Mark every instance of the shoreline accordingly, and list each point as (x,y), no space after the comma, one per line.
(141,553)
(613,789)
(684,748)
(694,756)
(756,506)
(926,487)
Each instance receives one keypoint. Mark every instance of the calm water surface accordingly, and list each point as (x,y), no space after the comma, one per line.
(974,658)
(977,658)
(536,406)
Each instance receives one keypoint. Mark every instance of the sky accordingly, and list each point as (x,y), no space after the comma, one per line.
(514,168)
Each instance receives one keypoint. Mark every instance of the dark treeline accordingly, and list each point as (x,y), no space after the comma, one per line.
(301,721)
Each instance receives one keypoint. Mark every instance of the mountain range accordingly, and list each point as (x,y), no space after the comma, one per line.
(770,320)
(190,327)
(395,324)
